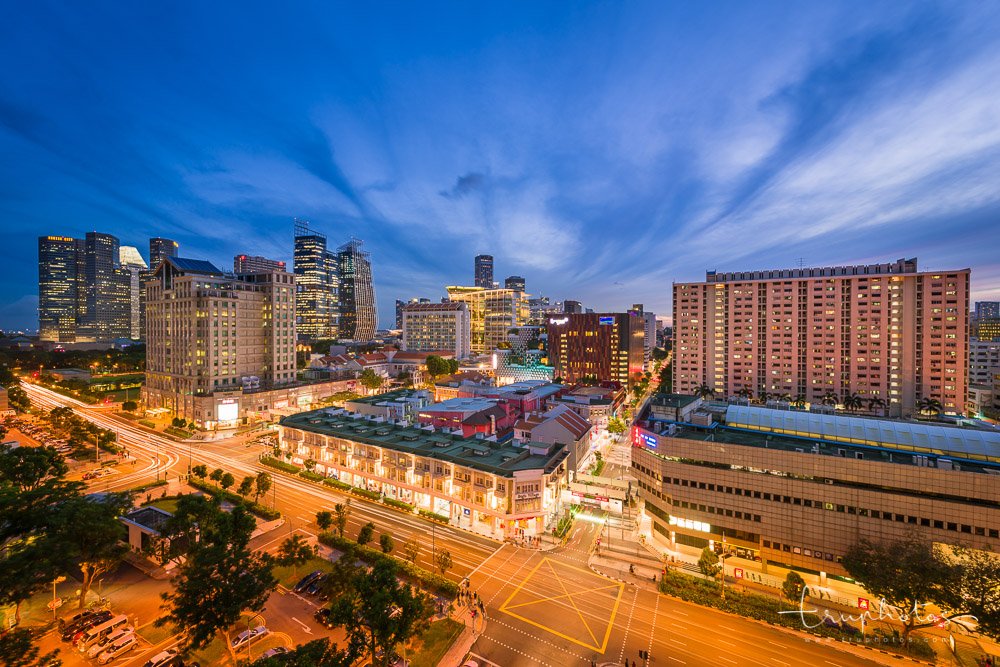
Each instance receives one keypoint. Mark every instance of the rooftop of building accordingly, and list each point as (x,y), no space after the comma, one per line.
(899,267)
(421,307)
(886,440)
(565,417)
(473,404)
(673,400)
(479,454)
(390,396)
(194,266)
(150,517)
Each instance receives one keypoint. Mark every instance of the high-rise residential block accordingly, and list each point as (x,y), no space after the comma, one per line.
(484,271)
(356,301)
(572,307)
(400,304)
(430,327)
(256,264)
(492,312)
(132,262)
(316,284)
(160,249)
(514,283)
(213,339)
(605,346)
(984,361)
(882,332)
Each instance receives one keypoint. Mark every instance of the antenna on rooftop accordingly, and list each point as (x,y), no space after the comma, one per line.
(801,262)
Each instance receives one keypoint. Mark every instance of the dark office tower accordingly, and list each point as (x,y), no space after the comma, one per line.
(514,282)
(160,249)
(256,264)
(105,304)
(57,288)
(985,324)
(356,303)
(572,307)
(315,284)
(484,271)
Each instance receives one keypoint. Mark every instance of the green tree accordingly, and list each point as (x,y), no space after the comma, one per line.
(324,519)
(246,486)
(443,561)
(436,366)
(617,426)
(32,491)
(18,399)
(411,551)
(929,406)
(220,577)
(19,648)
(341,512)
(385,542)
(295,551)
(452,366)
(310,464)
(227,480)
(371,380)
(907,573)
(708,563)
(262,484)
(90,535)
(793,586)
(977,589)
(366,533)
(405,378)
(130,406)
(216,475)
(704,391)
(341,579)
(380,612)
(200,471)
(317,653)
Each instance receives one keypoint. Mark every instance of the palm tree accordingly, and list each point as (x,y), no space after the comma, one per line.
(876,404)
(785,398)
(763,396)
(929,406)
(746,393)
(704,391)
(800,401)
(851,401)
(830,398)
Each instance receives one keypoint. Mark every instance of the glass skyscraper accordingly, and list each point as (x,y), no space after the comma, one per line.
(315,284)
(358,317)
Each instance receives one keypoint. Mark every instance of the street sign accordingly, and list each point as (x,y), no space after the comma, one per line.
(863,604)
(738,572)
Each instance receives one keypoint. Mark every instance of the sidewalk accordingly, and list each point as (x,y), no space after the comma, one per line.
(461,647)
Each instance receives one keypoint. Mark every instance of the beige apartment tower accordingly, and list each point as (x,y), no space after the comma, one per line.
(212,338)
(431,327)
(492,313)
(881,332)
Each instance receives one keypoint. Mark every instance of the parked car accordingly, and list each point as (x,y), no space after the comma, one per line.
(117,648)
(67,621)
(71,631)
(98,647)
(164,658)
(277,650)
(317,583)
(248,636)
(322,617)
(306,580)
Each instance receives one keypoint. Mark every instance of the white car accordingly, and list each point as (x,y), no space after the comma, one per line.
(248,636)
(117,648)
(161,658)
(99,647)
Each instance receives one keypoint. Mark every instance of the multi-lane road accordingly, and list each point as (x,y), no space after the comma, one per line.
(542,608)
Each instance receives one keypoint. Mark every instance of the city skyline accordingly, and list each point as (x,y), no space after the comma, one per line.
(654,143)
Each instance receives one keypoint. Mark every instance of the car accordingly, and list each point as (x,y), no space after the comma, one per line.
(470,663)
(163,658)
(306,580)
(248,636)
(119,647)
(317,584)
(322,617)
(71,631)
(102,644)
(67,621)
(277,650)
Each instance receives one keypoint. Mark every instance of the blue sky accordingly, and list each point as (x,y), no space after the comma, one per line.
(600,150)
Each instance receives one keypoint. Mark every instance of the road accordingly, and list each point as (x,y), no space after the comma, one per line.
(552,609)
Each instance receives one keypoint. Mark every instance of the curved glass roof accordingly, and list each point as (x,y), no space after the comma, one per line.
(900,435)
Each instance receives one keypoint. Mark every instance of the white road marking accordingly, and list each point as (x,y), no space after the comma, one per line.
(676,659)
(779,661)
(305,627)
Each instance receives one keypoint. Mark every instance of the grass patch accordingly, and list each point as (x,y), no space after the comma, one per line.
(147,487)
(287,578)
(148,424)
(166,504)
(432,581)
(280,465)
(154,635)
(434,643)
(178,432)
(217,652)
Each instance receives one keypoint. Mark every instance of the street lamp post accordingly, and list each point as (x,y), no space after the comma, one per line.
(259,613)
